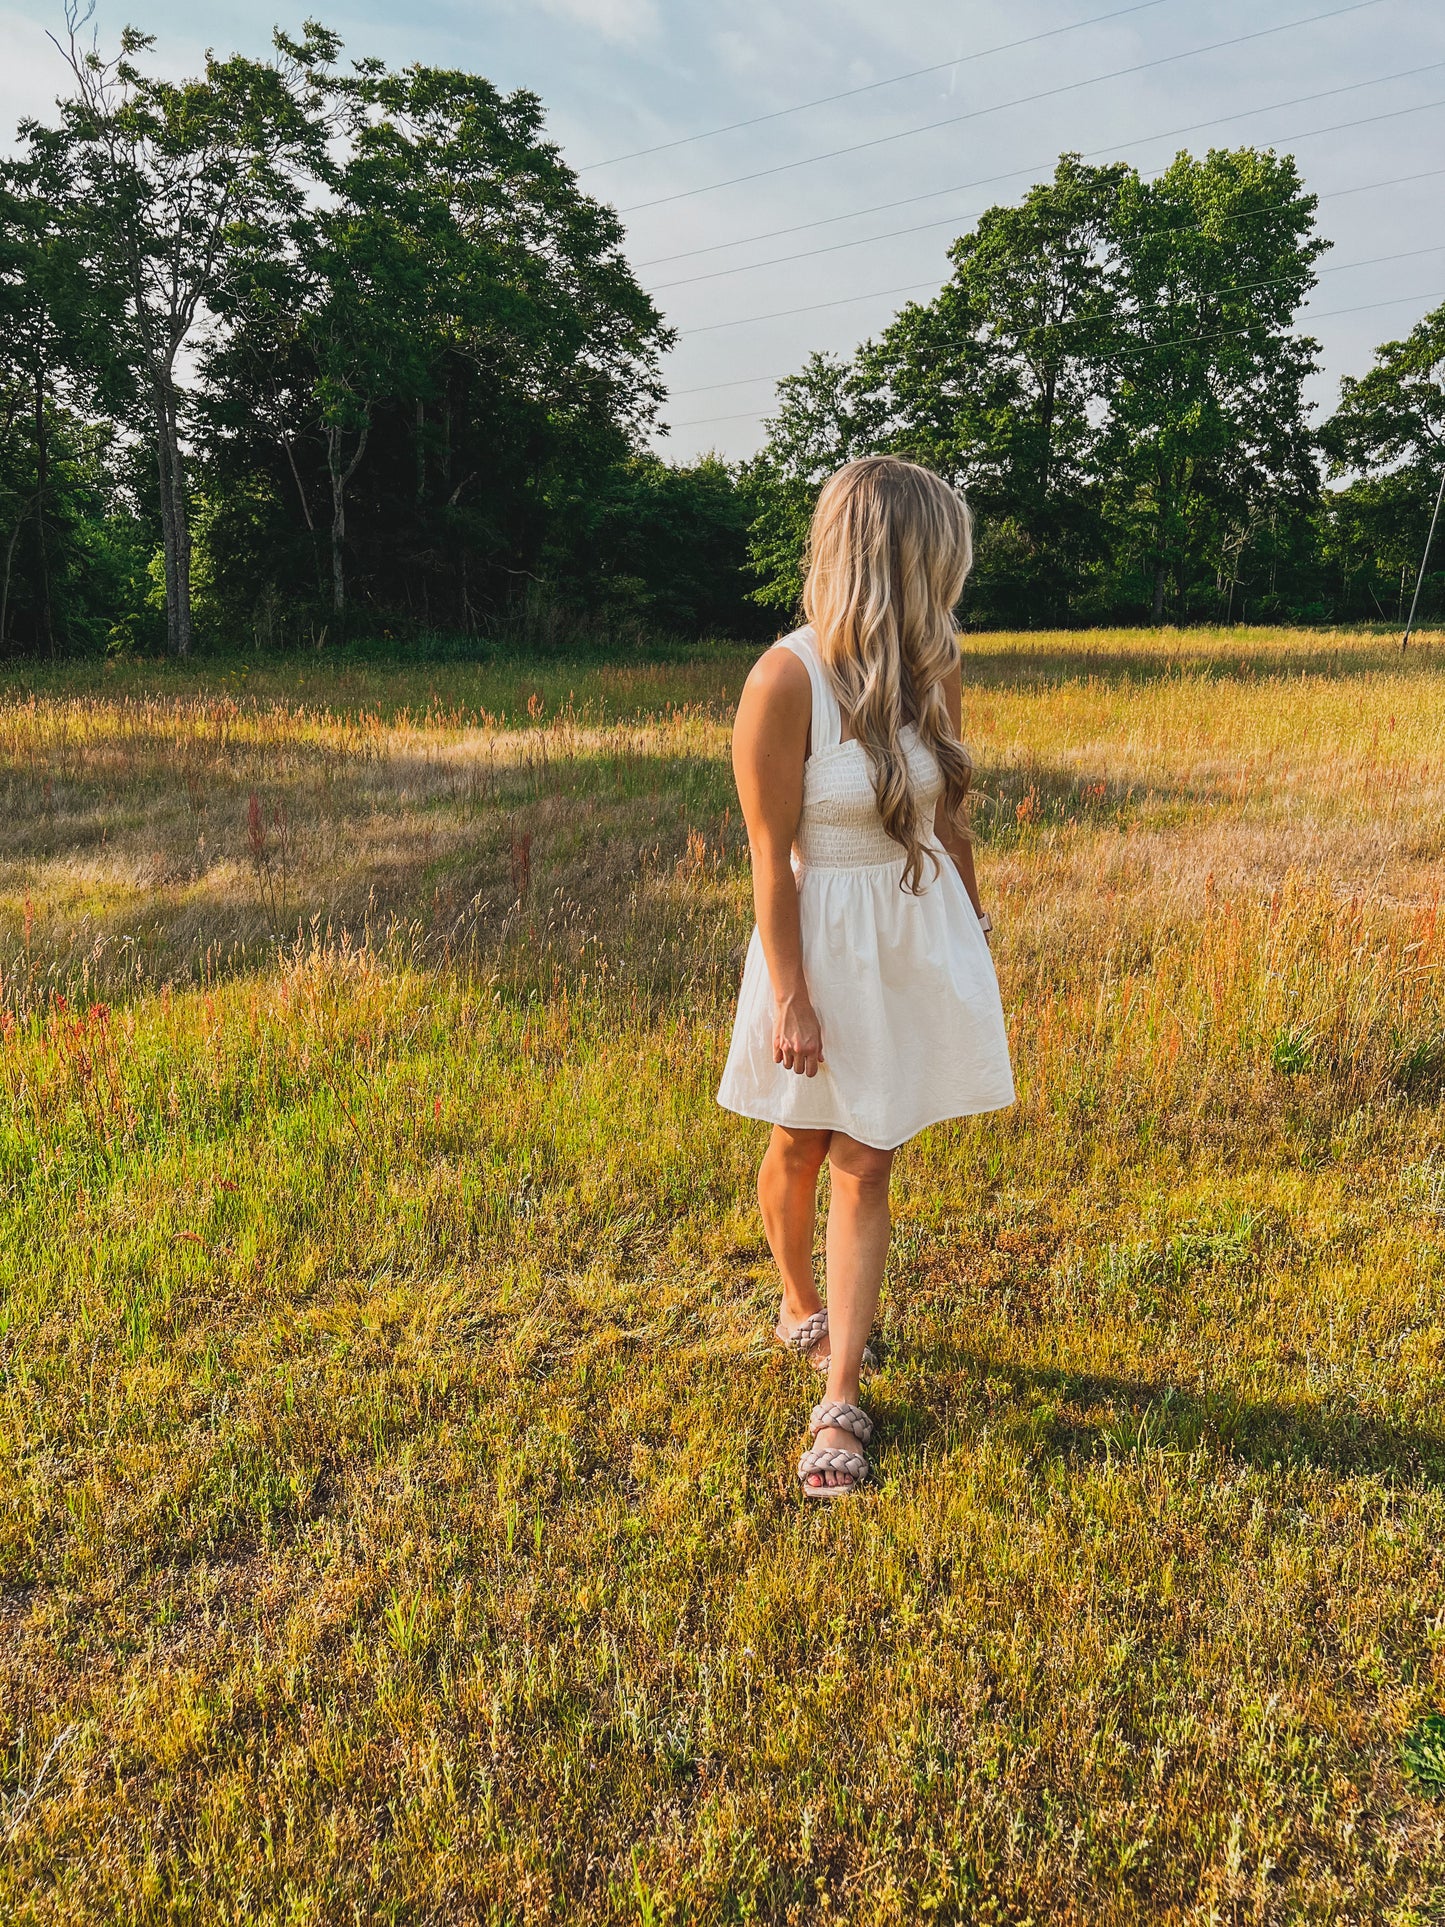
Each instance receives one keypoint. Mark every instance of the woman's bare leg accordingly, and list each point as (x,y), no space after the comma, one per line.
(788,1195)
(859,1229)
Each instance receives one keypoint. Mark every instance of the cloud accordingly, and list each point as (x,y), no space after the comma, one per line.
(628,21)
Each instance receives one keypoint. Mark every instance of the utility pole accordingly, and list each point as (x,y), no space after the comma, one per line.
(1415,599)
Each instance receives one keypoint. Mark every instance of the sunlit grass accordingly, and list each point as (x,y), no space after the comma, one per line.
(397,1517)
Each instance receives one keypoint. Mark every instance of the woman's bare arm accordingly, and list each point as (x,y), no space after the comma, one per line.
(957,842)
(770,739)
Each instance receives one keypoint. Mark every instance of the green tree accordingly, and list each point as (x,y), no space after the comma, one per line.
(1208,452)
(1003,381)
(164,172)
(453,306)
(1388,436)
(662,545)
(824,417)
(56,324)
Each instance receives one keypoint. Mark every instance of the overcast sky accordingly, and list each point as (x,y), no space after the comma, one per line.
(1359,98)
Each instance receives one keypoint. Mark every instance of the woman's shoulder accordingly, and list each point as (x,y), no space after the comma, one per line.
(779,679)
(798,642)
(783,665)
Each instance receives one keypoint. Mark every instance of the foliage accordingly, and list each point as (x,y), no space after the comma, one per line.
(818,426)
(1207,446)
(1003,382)
(1422,1752)
(299,347)
(663,545)
(160,175)
(417,344)
(1114,375)
(451,334)
(1388,435)
(58,509)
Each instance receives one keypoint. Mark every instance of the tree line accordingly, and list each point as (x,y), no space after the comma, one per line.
(297,346)
(1115,373)
(295,341)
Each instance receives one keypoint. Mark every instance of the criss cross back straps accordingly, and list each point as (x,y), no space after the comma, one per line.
(827,724)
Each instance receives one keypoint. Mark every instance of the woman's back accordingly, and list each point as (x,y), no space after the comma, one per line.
(840,826)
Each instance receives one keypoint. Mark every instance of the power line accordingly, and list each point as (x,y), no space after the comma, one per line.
(1021,100)
(915,286)
(867,240)
(1152,347)
(872,86)
(812,307)
(1140,140)
(1366,187)
(877,294)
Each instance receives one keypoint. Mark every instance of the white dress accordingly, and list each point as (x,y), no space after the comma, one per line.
(903,985)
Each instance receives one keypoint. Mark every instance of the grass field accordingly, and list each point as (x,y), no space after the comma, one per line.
(397,1513)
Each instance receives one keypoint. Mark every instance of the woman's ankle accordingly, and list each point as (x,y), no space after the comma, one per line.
(799,1305)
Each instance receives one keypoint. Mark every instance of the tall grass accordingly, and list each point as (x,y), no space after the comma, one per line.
(397,1518)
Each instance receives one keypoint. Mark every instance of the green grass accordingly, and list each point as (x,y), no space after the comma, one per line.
(397,1509)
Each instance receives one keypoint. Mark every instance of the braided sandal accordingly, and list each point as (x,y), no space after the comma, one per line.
(802,1341)
(805,1338)
(843,1417)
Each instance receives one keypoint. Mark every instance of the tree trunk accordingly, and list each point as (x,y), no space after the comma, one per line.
(5,588)
(340,478)
(163,496)
(305,508)
(1046,428)
(338,521)
(42,477)
(1159,575)
(175,518)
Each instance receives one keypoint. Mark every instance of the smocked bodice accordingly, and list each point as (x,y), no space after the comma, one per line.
(840,828)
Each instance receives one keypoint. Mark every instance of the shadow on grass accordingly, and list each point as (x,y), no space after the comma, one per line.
(1059,1412)
(180,886)
(1011,800)
(161,865)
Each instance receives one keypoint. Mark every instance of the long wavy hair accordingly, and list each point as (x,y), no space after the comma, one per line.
(889,549)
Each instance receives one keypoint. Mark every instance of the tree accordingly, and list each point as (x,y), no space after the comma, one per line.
(824,418)
(1207,448)
(56,323)
(1388,435)
(452,306)
(165,172)
(1113,374)
(662,545)
(1003,382)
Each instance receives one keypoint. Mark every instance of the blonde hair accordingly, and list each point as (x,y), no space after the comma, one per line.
(889,548)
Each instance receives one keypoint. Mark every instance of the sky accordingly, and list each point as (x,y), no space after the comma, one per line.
(945,110)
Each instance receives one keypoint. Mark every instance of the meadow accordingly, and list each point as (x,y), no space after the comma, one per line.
(397,1510)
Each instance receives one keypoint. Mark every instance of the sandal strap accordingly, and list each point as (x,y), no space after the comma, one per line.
(833,1458)
(847,1418)
(813,1327)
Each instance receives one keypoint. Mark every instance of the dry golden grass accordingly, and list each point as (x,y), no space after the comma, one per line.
(396,1510)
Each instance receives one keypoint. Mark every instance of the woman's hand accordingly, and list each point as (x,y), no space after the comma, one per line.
(797,1035)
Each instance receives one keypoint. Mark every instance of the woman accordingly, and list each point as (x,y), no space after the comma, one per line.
(869,1005)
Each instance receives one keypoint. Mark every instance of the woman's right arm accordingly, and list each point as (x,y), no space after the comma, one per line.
(770,739)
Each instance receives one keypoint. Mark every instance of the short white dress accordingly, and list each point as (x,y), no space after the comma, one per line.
(903,985)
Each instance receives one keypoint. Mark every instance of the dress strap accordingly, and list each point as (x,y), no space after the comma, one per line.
(827,725)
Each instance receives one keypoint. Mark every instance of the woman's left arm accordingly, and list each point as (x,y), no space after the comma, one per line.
(957,841)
